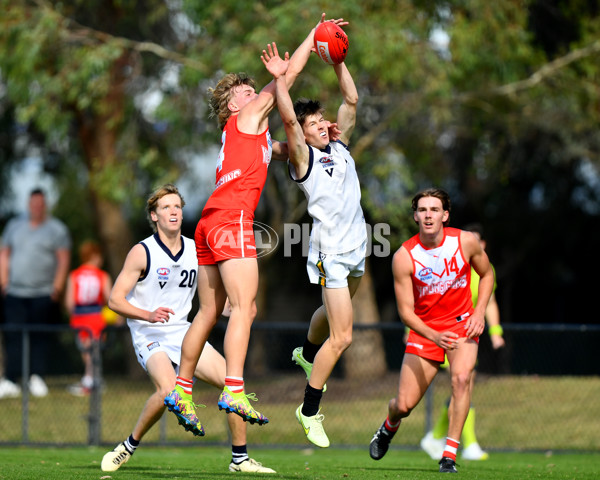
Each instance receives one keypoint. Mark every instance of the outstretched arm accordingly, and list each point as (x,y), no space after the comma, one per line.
(296,144)
(280,149)
(302,53)
(254,115)
(346,117)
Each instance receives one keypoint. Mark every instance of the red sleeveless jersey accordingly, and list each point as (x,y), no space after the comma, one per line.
(441,279)
(87,284)
(241,169)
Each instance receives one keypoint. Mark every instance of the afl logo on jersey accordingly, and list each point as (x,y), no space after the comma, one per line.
(326,162)
(425,274)
(163,273)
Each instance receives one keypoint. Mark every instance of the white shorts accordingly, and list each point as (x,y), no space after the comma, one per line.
(332,270)
(152,338)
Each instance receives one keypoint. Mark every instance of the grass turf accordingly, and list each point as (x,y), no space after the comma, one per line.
(160,463)
(513,412)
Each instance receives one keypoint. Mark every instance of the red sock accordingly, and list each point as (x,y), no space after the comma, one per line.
(235,384)
(392,427)
(451,448)
(185,384)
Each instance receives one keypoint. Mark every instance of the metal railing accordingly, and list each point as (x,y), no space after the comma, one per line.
(270,368)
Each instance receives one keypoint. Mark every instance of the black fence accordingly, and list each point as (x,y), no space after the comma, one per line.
(545,381)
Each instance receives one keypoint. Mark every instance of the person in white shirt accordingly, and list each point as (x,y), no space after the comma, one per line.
(154,291)
(325,171)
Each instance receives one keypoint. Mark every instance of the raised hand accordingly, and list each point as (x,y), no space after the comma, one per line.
(273,62)
(338,21)
(334,131)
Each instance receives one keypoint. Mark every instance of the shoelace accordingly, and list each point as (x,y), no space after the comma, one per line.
(380,433)
(122,456)
(187,403)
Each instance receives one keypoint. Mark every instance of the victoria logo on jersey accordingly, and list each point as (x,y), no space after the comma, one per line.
(163,276)
(425,274)
(163,273)
(327,163)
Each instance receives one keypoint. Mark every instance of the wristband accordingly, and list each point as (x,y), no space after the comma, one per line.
(496,330)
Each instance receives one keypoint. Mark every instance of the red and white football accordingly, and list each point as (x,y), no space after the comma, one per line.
(331,43)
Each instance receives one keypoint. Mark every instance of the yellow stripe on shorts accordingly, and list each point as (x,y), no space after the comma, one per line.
(322,278)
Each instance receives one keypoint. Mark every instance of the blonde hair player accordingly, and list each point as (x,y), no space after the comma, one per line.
(229,269)
(154,291)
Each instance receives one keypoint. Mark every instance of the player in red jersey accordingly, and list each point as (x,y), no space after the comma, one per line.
(88,289)
(432,273)
(224,237)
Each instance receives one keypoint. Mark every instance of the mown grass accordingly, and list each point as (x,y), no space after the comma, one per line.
(162,463)
(513,412)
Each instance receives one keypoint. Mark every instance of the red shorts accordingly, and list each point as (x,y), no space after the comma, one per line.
(224,234)
(91,322)
(422,347)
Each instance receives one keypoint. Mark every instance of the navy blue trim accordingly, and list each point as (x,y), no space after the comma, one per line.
(145,272)
(342,144)
(310,165)
(327,149)
(175,257)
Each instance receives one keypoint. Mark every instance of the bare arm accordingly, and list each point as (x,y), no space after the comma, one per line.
(4,268)
(402,271)
(346,116)
(492,317)
(133,268)
(280,151)
(254,116)
(480,262)
(296,144)
(63,259)
(106,287)
(69,296)
(302,53)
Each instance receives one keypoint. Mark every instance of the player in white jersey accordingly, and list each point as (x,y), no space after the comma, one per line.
(154,291)
(325,171)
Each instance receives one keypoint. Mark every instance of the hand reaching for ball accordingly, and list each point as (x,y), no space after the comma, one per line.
(273,62)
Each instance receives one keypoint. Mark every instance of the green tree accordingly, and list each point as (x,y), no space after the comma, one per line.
(504,115)
(73,71)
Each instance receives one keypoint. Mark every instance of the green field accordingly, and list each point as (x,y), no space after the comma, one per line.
(513,413)
(162,463)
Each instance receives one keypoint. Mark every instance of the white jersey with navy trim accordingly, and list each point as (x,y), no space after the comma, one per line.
(169,281)
(332,189)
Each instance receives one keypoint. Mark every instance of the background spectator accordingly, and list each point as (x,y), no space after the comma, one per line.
(34,262)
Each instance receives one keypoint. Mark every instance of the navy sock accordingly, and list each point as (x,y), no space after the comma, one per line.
(239,454)
(131,444)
